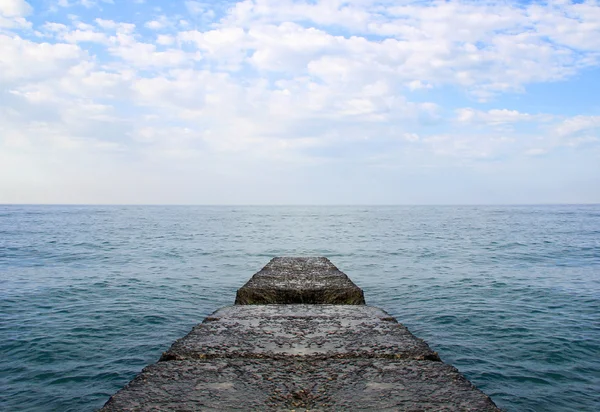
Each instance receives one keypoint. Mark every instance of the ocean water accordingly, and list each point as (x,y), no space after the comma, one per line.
(510,295)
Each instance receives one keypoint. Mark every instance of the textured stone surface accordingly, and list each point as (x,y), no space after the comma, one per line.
(343,331)
(298,356)
(300,384)
(313,280)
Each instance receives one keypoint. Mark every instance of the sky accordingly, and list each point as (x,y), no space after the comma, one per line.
(299,102)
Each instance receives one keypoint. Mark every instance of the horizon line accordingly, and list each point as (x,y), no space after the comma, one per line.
(298,204)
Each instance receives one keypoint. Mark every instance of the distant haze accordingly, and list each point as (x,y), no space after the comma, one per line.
(299,102)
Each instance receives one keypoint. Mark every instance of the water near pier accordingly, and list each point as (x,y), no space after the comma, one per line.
(90,295)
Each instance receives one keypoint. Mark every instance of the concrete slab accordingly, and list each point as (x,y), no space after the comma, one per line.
(300,384)
(341,331)
(273,351)
(312,280)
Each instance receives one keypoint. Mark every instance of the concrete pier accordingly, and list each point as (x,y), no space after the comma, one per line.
(290,344)
(313,280)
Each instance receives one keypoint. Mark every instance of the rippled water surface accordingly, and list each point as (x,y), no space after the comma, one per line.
(89,295)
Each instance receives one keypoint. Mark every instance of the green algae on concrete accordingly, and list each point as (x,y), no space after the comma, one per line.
(312,280)
(301,357)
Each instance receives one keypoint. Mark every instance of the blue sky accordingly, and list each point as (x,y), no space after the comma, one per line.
(299,102)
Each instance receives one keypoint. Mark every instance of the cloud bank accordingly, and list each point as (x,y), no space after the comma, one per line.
(286,101)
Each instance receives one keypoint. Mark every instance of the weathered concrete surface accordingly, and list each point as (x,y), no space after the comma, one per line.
(300,384)
(316,357)
(313,280)
(274,331)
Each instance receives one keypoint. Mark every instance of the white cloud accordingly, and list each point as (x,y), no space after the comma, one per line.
(575,25)
(165,40)
(55,27)
(579,124)
(119,28)
(196,7)
(551,132)
(145,55)
(84,3)
(485,47)
(225,47)
(418,84)
(79,36)
(25,60)
(411,137)
(251,13)
(154,25)
(160,23)
(15,8)
(325,82)
(13,13)
(496,117)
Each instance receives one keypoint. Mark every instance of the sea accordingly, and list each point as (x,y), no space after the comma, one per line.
(510,295)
